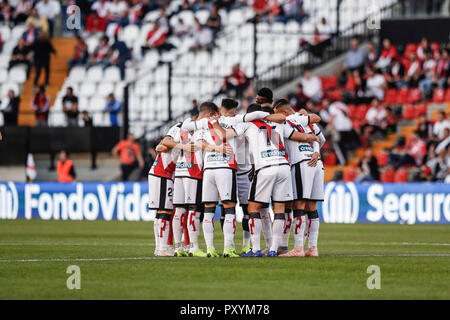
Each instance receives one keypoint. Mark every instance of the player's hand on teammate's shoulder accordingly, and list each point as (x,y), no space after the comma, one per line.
(303,112)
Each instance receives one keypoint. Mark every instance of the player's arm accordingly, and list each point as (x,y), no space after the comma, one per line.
(223,148)
(303,137)
(276,117)
(169,143)
(194,125)
(161,148)
(313,118)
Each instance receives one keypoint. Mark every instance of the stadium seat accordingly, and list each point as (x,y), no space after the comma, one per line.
(402,96)
(422,108)
(94,74)
(111,74)
(6,86)
(447,95)
(202,16)
(438,95)
(410,47)
(335,95)
(349,175)
(3,75)
(17,32)
(387,175)
(382,158)
(401,175)
(5,33)
(18,74)
(391,96)
(87,89)
(105,88)
(409,112)
(330,159)
(77,74)
(414,95)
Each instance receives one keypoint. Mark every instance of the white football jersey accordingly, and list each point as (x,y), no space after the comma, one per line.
(165,162)
(189,164)
(266,142)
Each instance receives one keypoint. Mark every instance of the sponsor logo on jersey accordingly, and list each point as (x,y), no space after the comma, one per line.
(185,165)
(219,157)
(273,153)
(155,163)
(305,148)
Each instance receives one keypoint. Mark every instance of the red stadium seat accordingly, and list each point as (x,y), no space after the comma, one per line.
(382,158)
(329,82)
(402,96)
(447,95)
(414,95)
(409,112)
(438,95)
(349,175)
(387,175)
(410,47)
(391,96)
(435,46)
(330,159)
(361,112)
(422,108)
(356,124)
(335,95)
(352,111)
(401,175)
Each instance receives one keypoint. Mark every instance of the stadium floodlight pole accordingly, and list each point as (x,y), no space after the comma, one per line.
(338,15)
(126,124)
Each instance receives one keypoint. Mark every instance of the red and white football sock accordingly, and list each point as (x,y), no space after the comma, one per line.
(208,226)
(164,229)
(156,231)
(177,227)
(255,226)
(194,228)
(245,227)
(229,227)
(298,227)
(287,228)
(266,223)
(313,228)
(278,227)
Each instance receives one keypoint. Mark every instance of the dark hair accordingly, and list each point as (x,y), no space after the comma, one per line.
(280,103)
(208,106)
(267,109)
(70,88)
(229,103)
(266,93)
(254,107)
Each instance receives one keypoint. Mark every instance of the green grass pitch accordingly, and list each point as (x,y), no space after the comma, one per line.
(116,262)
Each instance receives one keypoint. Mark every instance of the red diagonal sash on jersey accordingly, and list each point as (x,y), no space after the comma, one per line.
(195,171)
(299,128)
(232,163)
(260,124)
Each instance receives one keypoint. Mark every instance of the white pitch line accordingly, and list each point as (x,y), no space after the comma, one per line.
(358,243)
(157,258)
(52,244)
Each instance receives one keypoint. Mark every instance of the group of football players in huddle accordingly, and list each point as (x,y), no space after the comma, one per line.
(269,156)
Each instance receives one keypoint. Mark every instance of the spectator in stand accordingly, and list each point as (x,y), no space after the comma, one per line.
(120,54)
(42,49)
(22,11)
(324,29)
(293,9)
(113,107)
(424,127)
(394,74)
(40,105)
(21,55)
(47,10)
(194,111)
(391,121)
(95,23)
(214,21)
(429,75)
(355,57)
(388,53)
(129,154)
(368,168)
(11,111)
(412,71)
(156,39)
(413,154)
(101,6)
(439,166)
(445,141)
(371,55)
(38,22)
(376,119)
(237,82)
(260,7)
(203,37)
(100,56)
(65,168)
(70,107)
(30,35)
(87,120)
(312,86)
(443,69)
(181,29)
(117,11)
(423,49)
(440,125)
(354,89)
(300,99)
(134,13)
(375,85)
(6,14)
(80,53)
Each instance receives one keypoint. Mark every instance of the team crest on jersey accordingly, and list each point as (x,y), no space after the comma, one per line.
(219,157)
(185,165)
(273,153)
(305,148)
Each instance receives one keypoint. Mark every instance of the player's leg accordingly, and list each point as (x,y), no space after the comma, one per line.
(243,185)
(163,233)
(194,198)
(210,198)
(179,215)
(260,193)
(266,224)
(227,187)
(155,185)
(284,243)
(155,231)
(281,194)
(313,215)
